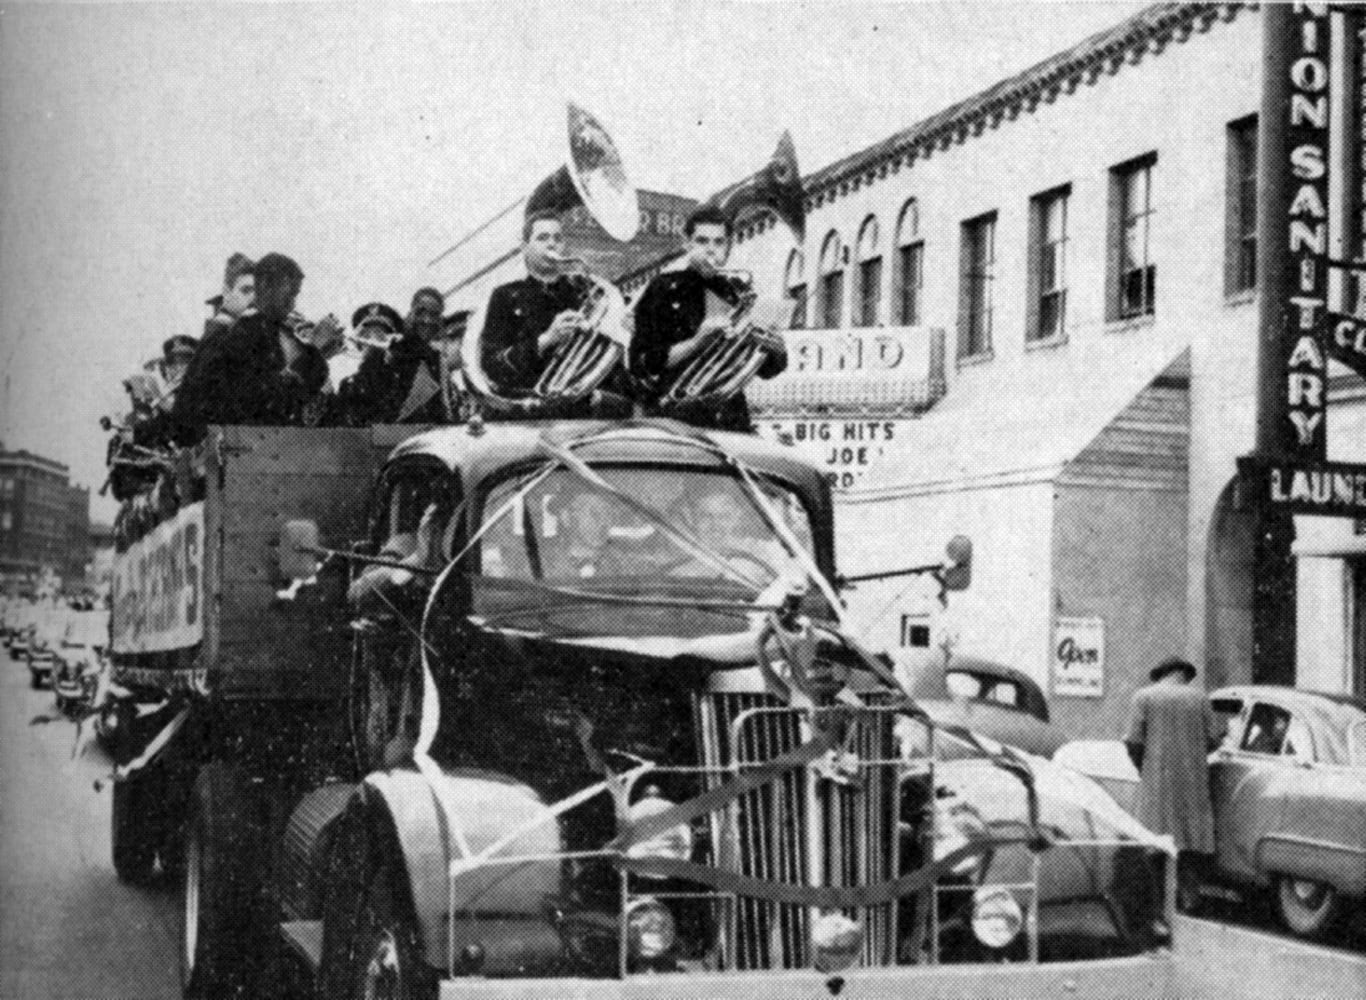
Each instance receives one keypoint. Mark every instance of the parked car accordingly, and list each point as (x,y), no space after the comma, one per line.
(1289,790)
(80,661)
(987,697)
(41,654)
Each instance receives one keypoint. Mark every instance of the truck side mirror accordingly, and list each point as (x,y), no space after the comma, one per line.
(298,552)
(957,571)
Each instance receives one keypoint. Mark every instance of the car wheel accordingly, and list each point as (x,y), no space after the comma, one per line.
(1306,907)
(218,886)
(35,680)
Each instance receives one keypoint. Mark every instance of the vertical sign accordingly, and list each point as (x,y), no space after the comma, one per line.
(1292,233)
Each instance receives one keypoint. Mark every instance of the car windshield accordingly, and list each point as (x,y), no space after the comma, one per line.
(653,532)
(88,628)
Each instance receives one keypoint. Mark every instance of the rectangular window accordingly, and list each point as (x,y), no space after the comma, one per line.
(911,276)
(1048,265)
(1241,224)
(798,296)
(870,291)
(979,274)
(832,300)
(1134,290)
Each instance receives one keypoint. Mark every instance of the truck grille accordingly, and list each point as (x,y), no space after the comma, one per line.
(804,828)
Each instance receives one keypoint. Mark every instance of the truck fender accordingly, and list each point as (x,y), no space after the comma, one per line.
(506,904)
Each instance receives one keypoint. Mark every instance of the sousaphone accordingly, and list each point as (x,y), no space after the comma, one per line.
(593,177)
(727,362)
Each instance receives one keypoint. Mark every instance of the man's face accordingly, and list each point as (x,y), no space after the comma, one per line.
(425,318)
(275,299)
(588,519)
(240,295)
(708,247)
(718,521)
(175,367)
(543,245)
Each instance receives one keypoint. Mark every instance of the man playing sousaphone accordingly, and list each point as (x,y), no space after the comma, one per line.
(679,314)
(528,319)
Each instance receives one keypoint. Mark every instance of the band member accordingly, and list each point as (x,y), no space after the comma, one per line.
(238,294)
(257,371)
(527,319)
(401,383)
(673,322)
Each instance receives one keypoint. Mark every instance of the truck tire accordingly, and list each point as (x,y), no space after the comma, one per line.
(219,886)
(130,834)
(1309,909)
(371,944)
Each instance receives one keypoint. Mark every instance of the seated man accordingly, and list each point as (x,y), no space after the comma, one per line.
(256,371)
(583,548)
(719,519)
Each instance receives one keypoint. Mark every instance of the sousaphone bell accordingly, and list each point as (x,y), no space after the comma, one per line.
(593,177)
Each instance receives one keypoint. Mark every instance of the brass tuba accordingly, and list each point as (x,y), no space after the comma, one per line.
(594,178)
(729,360)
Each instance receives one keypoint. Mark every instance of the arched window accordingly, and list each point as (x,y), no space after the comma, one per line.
(832,282)
(869,251)
(794,282)
(910,266)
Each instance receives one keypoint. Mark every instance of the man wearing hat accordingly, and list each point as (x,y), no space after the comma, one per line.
(1171,731)
(256,371)
(400,384)
(238,294)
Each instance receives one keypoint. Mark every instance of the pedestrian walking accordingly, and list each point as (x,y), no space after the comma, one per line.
(1171,731)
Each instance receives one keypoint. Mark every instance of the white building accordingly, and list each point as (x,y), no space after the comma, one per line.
(1033,320)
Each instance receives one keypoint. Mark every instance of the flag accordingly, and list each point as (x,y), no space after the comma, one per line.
(424,387)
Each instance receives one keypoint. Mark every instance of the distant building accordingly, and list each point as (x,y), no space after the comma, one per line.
(44,520)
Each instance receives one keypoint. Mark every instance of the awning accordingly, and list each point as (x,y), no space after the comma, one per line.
(1023,419)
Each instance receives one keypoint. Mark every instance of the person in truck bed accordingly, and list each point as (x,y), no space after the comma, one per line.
(255,371)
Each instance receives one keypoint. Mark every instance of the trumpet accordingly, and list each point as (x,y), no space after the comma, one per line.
(326,334)
(597,344)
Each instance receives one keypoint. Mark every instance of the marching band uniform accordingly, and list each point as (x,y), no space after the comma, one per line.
(669,311)
(518,313)
(401,385)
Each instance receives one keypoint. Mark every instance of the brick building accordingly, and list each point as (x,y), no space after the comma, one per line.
(44,519)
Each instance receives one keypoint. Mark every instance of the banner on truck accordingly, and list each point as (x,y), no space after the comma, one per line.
(158,587)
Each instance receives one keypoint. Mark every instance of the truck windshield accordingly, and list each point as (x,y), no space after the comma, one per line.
(565,532)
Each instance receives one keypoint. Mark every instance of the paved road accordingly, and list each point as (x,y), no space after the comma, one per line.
(68,929)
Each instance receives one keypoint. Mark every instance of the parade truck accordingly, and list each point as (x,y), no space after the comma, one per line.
(569,709)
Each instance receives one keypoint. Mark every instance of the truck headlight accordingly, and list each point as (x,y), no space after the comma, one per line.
(835,941)
(650,929)
(996,916)
(675,843)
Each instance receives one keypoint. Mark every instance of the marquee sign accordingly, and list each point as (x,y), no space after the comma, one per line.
(158,587)
(1326,488)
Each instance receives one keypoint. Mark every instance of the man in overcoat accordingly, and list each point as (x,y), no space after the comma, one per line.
(1171,731)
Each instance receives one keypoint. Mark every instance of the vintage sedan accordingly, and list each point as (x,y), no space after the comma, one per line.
(1289,786)
(80,661)
(1289,792)
(984,696)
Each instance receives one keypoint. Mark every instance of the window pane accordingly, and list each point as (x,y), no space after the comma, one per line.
(870,291)
(912,261)
(798,295)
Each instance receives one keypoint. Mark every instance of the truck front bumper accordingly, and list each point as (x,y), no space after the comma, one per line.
(1120,978)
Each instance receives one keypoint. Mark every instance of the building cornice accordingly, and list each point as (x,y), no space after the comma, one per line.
(1104,54)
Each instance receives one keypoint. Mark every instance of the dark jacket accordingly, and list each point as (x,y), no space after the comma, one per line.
(669,311)
(238,376)
(518,313)
(377,392)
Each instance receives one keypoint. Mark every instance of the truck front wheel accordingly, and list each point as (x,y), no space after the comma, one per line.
(130,833)
(219,886)
(371,944)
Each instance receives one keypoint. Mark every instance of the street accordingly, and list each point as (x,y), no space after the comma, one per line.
(68,928)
